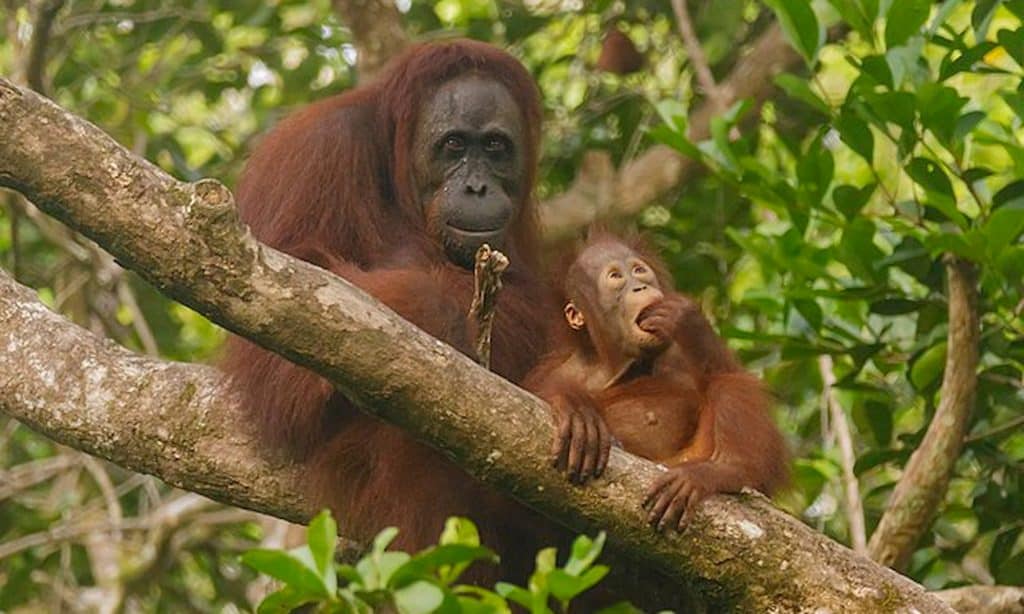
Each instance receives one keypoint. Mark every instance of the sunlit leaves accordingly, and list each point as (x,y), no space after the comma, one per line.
(905,19)
(800,25)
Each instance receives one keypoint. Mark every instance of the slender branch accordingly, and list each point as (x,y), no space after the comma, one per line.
(697,58)
(186,239)
(847,456)
(42,27)
(922,488)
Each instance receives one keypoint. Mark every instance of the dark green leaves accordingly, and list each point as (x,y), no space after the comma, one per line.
(800,26)
(904,19)
(856,134)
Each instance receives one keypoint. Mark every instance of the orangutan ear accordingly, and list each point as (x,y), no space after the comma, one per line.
(574,316)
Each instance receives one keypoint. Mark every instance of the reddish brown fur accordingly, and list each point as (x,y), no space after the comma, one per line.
(693,408)
(333,185)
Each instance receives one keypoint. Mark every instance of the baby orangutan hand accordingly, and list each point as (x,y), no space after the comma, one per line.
(582,440)
(673,498)
(663,318)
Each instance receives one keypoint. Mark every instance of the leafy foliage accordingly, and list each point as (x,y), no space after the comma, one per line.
(425,582)
(913,156)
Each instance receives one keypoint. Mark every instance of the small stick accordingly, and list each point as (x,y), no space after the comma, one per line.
(490,264)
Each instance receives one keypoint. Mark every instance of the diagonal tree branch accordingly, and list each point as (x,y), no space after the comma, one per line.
(925,479)
(186,239)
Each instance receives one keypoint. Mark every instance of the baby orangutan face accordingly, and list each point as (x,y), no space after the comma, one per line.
(611,286)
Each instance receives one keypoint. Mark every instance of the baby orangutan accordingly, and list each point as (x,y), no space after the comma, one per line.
(640,364)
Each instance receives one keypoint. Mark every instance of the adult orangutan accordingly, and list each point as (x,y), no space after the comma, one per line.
(394,185)
(641,364)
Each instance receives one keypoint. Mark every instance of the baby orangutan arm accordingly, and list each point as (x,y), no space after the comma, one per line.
(736,444)
(582,441)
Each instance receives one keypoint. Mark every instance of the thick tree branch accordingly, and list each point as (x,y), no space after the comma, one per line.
(177,421)
(187,240)
(602,192)
(925,479)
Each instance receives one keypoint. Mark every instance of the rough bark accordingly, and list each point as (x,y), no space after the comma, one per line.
(739,552)
(984,599)
(173,420)
(925,479)
(602,192)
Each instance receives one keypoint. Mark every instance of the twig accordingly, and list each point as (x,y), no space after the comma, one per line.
(848,458)
(27,475)
(42,27)
(490,264)
(697,57)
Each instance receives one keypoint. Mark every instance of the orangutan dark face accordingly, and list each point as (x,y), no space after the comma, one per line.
(469,165)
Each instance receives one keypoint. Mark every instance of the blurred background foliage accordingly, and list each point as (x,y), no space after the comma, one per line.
(814,236)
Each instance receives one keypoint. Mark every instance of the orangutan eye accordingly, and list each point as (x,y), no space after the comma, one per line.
(496,144)
(614,274)
(639,270)
(454,143)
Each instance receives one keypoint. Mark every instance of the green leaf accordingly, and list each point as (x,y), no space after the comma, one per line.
(894,306)
(939,107)
(897,108)
(290,570)
(814,171)
(930,176)
(880,419)
(904,19)
(857,249)
(378,567)
(1013,42)
(856,134)
(448,561)
(852,13)
(584,552)
(938,188)
(799,89)
(565,586)
(877,68)
(800,25)
(966,123)
(515,593)
(282,602)
(676,140)
(322,536)
(418,598)
(928,367)
(1009,194)
(458,530)
(1003,227)
(981,16)
(1002,547)
(849,200)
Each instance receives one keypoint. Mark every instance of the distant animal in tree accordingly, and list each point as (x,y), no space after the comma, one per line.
(618,53)
(638,363)
(394,185)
